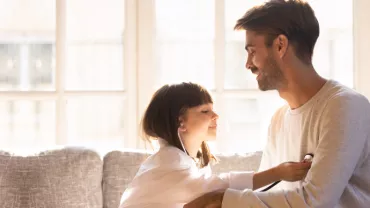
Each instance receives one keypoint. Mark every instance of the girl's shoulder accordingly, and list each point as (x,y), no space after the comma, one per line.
(168,158)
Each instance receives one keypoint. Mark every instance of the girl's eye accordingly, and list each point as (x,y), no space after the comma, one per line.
(205,111)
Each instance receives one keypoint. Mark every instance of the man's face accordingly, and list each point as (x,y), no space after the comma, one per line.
(262,61)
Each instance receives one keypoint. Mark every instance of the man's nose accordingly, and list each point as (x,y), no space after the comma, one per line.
(248,64)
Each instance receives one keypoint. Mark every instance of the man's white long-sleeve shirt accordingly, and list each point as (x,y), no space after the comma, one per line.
(335,126)
(170,178)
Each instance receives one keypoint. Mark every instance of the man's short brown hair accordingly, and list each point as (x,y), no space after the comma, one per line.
(293,18)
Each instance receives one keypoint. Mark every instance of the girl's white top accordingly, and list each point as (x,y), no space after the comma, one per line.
(170,178)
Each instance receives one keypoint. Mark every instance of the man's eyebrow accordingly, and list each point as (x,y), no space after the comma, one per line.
(247,46)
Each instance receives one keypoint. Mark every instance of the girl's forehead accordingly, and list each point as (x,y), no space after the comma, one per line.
(207,105)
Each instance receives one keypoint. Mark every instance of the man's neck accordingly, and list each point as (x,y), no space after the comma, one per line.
(301,87)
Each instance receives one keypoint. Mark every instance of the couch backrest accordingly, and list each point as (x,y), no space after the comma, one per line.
(61,178)
(119,169)
(237,162)
(76,177)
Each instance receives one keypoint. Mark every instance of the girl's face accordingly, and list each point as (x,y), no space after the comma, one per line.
(199,122)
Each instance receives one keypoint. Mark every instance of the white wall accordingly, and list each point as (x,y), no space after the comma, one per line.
(361,30)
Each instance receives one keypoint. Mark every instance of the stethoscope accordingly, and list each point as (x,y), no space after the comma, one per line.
(308,158)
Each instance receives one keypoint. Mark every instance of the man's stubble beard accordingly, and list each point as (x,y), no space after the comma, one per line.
(272,78)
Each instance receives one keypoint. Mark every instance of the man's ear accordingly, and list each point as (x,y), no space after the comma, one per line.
(281,43)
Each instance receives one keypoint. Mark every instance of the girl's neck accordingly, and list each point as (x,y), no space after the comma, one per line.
(192,146)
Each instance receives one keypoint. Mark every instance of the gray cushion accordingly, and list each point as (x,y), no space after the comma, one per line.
(237,162)
(119,170)
(61,178)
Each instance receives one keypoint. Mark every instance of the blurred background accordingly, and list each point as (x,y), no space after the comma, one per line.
(81,72)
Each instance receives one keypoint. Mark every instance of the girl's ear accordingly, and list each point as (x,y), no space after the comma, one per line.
(182,124)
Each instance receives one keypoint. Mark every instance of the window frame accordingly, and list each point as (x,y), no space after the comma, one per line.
(139,78)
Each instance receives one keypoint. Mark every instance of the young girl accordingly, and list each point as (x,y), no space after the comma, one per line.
(181,117)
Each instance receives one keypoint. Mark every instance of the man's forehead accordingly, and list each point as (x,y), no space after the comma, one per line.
(252,37)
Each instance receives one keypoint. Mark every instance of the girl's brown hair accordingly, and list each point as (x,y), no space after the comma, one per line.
(161,118)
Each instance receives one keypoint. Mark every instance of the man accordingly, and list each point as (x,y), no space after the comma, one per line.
(322,117)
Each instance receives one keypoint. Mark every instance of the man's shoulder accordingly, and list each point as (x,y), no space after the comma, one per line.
(343,96)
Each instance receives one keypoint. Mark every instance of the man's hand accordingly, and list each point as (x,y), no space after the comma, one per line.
(209,200)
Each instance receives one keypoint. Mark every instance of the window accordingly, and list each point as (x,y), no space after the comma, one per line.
(27,65)
(95,64)
(62,73)
(184,41)
(81,72)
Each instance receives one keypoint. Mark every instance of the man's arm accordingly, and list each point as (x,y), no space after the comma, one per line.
(343,133)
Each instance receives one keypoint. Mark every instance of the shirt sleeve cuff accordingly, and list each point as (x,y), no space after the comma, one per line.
(231,198)
(241,180)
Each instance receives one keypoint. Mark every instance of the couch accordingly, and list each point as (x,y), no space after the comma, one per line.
(75,177)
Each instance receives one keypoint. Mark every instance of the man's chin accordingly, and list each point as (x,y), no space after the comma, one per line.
(264,87)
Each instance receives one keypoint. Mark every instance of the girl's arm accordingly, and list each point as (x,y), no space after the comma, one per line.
(289,171)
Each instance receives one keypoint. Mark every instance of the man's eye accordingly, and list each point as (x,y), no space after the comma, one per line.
(205,111)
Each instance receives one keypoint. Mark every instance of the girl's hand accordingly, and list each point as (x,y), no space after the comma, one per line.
(293,171)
